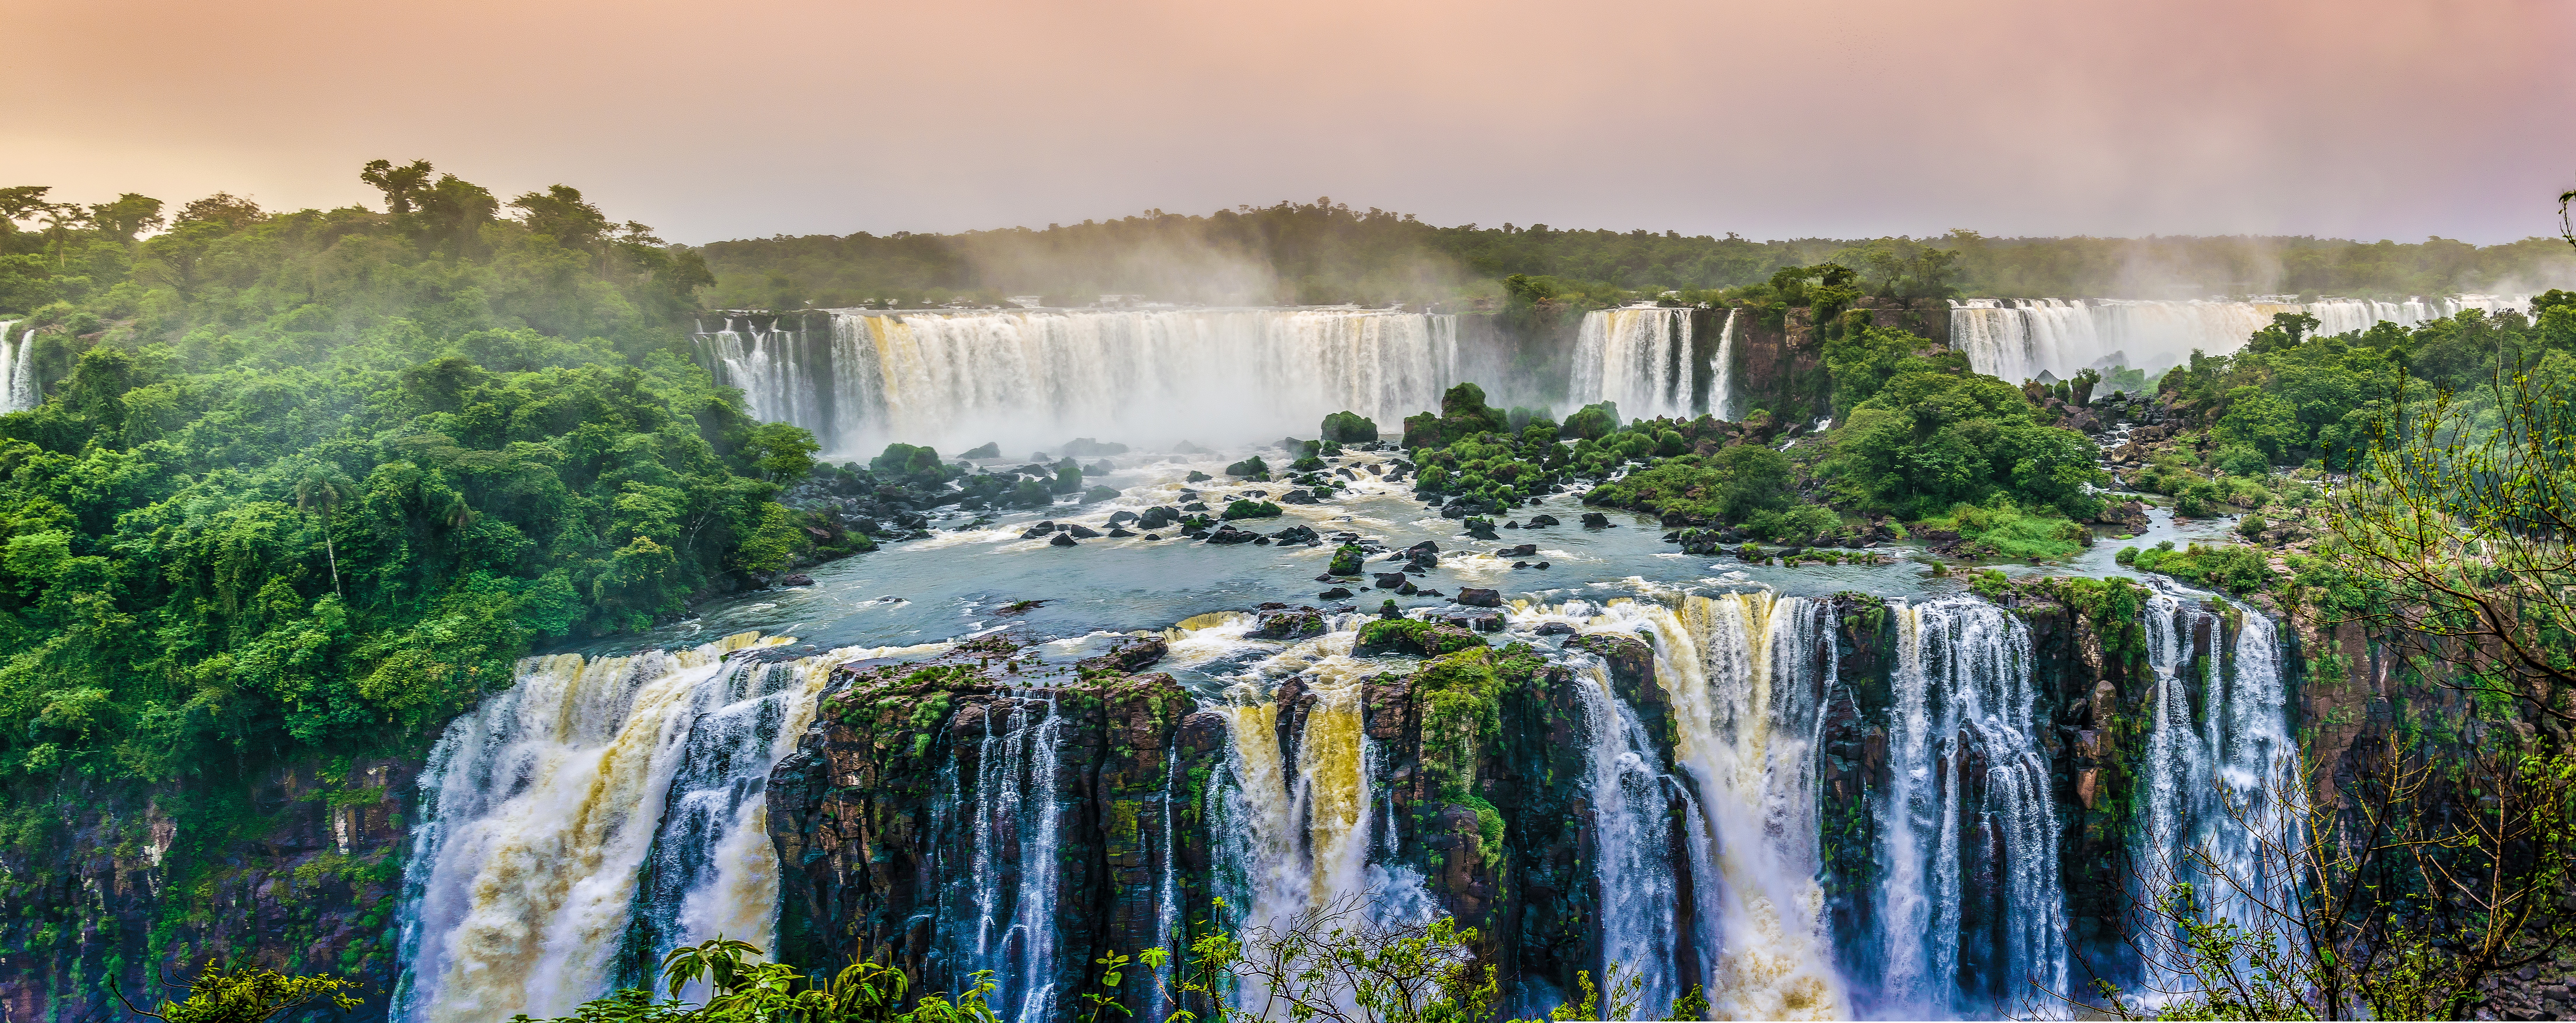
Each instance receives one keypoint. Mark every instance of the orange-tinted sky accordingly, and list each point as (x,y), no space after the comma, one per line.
(1772,119)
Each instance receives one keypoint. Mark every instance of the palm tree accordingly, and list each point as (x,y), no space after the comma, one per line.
(322,490)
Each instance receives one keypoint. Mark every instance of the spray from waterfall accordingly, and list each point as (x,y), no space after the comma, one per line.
(1639,357)
(542,809)
(1721,388)
(1631,799)
(1040,377)
(1968,794)
(1747,686)
(2018,339)
(1009,890)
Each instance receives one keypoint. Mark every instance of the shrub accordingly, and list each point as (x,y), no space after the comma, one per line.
(1251,510)
(1252,467)
(1349,427)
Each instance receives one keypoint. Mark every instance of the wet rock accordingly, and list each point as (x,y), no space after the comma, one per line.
(1227,534)
(1487,622)
(1036,531)
(1541,521)
(1123,517)
(1540,565)
(1196,476)
(1473,597)
(1336,593)
(1482,529)
(1555,629)
(1120,531)
(1390,580)
(1130,655)
(1298,534)
(1520,564)
(1155,517)
(1061,540)
(1083,532)
(1522,551)
(1153,536)
(1301,623)
(1297,497)
(1195,506)
(797,579)
(1595,520)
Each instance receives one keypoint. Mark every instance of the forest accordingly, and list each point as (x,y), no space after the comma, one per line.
(279,482)
(1327,252)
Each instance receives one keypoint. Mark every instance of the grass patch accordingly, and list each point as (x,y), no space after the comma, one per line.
(2005,531)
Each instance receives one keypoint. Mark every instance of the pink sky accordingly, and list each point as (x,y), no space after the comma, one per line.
(755,117)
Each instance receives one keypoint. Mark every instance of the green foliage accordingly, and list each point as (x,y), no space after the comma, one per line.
(1251,510)
(1252,467)
(1592,422)
(744,990)
(1991,584)
(245,994)
(319,478)
(2001,529)
(1930,439)
(1333,963)
(1346,560)
(1860,362)
(909,463)
(1733,486)
(1348,427)
(2230,567)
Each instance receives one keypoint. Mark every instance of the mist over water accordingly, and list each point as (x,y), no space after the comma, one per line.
(2018,339)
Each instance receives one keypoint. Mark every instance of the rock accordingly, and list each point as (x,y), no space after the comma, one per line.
(1083,532)
(1227,534)
(1473,597)
(1036,531)
(1324,578)
(1595,520)
(1302,623)
(797,579)
(2085,780)
(1555,629)
(1155,517)
(1123,517)
(1453,512)
(1297,497)
(1336,593)
(1061,540)
(1297,534)
(1540,565)
(1195,506)
(1522,551)
(1407,589)
(1120,531)
(1520,564)
(1389,612)
(1541,521)
(1513,524)
(1130,656)
(1482,529)
(1391,580)
(1487,622)
(1196,476)
(1153,536)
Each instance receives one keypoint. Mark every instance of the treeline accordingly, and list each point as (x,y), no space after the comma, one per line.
(1323,252)
(314,479)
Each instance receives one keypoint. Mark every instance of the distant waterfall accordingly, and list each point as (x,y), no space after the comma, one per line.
(1721,388)
(1639,357)
(599,811)
(2213,763)
(1038,377)
(1746,682)
(1968,795)
(18,390)
(2018,339)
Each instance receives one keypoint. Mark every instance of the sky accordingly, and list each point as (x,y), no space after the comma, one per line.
(2363,118)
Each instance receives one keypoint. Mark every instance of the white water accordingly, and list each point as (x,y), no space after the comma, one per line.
(1747,690)
(1010,891)
(1034,379)
(1963,689)
(1721,388)
(2017,339)
(541,807)
(2207,786)
(18,390)
(1639,357)
(1631,802)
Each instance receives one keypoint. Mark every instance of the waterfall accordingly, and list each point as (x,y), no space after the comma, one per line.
(597,811)
(1631,800)
(1639,357)
(2018,339)
(1038,377)
(2213,765)
(1721,388)
(1968,792)
(1009,891)
(1167,893)
(1747,687)
(18,372)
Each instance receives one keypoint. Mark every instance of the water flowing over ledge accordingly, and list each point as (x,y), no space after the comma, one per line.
(1037,377)
(2018,339)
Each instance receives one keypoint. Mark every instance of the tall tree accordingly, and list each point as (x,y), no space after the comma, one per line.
(129,215)
(399,184)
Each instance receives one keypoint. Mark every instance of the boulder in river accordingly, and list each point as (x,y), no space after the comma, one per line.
(1083,532)
(1301,623)
(1155,517)
(1595,520)
(1391,580)
(1541,521)
(1227,534)
(1297,497)
(1061,540)
(1122,517)
(1196,476)
(1555,629)
(1298,534)
(1473,597)
(1121,531)
(1522,551)
(1336,593)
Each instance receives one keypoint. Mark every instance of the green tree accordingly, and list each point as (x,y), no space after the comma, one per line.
(400,184)
(129,215)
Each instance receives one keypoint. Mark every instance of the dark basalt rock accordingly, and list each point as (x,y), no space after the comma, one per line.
(1473,597)
(1227,534)
(1297,497)
(1155,517)
(1391,580)
(1195,506)
(1522,551)
(1196,476)
(1083,532)
(1122,517)
(1036,531)
(1121,532)
(1336,593)
(1555,629)
(1541,521)
(1298,534)
(1061,540)
(797,579)
(1595,520)
(1301,623)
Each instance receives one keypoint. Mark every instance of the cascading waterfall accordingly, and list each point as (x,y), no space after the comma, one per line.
(1040,377)
(1721,387)
(1742,672)
(1631,800)
(1639,357)
(2215,765)
(598,809)
(1968,792)
(18,372)
(1007,896)
(2018,339)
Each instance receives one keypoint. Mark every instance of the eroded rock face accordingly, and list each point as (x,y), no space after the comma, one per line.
(1063,784)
